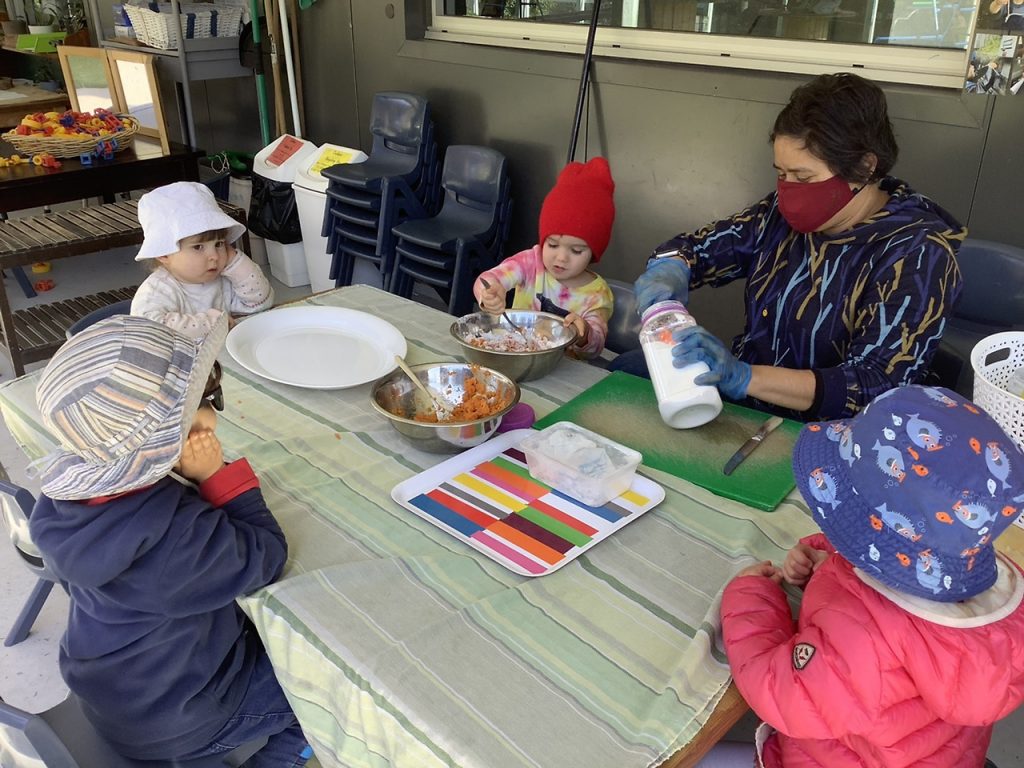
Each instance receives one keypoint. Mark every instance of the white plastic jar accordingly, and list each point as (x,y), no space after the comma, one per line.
(682,403)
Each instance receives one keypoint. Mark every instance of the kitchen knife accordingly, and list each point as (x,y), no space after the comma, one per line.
(745,450)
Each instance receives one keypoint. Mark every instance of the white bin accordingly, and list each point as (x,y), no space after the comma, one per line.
(310,188)
(287,260)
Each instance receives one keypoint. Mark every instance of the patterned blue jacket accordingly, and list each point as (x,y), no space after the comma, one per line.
(864,309)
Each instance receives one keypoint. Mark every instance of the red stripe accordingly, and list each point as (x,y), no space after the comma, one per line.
(561,517)
(457,505)
(509,480)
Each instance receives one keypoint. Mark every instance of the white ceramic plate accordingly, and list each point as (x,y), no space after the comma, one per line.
(316,347)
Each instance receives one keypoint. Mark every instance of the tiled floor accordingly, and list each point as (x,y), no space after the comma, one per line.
(29,677)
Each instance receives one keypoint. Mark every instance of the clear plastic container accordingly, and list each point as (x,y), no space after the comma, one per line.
(682,403)
(580,463)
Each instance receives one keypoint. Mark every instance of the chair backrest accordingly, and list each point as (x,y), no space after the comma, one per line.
(399,122)
(474,176)
(624,325)
(117,308)
(16,507)
(62,737)
(993,292)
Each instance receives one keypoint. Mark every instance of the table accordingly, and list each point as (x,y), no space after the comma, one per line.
(400,646)
(141,166)
(36,100)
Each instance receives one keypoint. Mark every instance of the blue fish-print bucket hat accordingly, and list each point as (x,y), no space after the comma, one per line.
(914,489)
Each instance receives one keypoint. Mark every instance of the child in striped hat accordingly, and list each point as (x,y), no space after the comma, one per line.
(164,661)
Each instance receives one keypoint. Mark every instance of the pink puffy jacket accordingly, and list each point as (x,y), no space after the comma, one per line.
(860,681)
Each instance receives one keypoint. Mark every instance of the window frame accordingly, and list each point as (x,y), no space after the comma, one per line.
(931,67)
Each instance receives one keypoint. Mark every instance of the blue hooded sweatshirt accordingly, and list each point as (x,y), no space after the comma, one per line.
(156,647)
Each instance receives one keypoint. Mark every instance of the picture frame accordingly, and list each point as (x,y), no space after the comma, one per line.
(137,91)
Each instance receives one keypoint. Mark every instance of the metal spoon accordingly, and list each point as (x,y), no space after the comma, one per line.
(505,315)
(441,407)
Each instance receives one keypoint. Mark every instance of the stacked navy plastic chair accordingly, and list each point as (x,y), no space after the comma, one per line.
(466,237)
(398,181)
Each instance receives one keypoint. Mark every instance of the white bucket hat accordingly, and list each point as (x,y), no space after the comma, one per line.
(171,213)
(120,397)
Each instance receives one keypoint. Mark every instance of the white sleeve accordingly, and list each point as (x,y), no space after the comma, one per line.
(250,290)
(161,299)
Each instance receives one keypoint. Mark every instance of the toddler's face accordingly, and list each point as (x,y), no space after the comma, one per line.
(565,257)
(198,260)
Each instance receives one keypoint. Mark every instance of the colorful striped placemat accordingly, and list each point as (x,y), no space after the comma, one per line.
(487,498)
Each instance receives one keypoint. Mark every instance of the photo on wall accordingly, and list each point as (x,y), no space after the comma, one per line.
(995,64)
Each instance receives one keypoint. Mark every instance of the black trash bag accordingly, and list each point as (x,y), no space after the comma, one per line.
(273,214)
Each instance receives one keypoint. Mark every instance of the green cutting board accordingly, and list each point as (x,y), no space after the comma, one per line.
(623,408)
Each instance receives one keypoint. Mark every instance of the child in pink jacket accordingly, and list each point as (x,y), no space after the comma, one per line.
(909,643)
(554,276)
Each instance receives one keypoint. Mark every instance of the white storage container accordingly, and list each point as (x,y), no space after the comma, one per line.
(580,463)
(310,188)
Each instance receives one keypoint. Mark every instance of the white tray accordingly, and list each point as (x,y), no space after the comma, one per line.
(316,347)
(499,510)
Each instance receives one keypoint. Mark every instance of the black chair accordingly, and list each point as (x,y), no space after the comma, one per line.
(17,503)
(450,249)
(398,181)
(117,308)
(62,737)
(992,301)
(624,324)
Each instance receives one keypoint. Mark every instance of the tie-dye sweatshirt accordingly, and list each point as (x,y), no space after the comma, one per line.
(863,309)
(525,273)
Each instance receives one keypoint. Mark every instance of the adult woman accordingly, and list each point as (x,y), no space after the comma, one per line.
(849,271)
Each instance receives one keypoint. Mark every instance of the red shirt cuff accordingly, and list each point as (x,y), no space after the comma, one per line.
(228,482)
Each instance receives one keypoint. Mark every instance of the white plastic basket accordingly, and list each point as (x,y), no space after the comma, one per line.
(157,28)
(994,360)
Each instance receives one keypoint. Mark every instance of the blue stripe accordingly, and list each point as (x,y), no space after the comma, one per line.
(445,515)
(607,513)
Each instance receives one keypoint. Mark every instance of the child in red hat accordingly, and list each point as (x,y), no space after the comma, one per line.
(575,226)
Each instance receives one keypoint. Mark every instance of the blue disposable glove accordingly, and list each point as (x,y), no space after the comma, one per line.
(665,280)
(696,345)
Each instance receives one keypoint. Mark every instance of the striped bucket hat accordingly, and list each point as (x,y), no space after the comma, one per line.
(120,398)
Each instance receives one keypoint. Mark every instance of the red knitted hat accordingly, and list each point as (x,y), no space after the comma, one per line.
(581,205)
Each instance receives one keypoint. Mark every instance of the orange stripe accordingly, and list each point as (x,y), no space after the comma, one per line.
(521,540)
(561,517)
(457,505)
(520,483)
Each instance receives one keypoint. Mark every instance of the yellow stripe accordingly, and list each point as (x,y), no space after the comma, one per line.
(490,492)
(634,498)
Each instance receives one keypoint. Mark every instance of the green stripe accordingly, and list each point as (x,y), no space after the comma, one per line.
(555,526)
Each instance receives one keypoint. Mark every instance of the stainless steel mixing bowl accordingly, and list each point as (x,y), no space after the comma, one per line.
(397,398)
(519,366)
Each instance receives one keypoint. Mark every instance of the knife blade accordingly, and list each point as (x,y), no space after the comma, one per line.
(745,450)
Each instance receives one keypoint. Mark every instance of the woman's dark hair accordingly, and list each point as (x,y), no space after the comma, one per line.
(841,118)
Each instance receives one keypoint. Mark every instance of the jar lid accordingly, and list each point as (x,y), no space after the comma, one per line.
(519,416)
(661,307)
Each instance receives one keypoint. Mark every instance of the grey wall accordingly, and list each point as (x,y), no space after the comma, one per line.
(686,144)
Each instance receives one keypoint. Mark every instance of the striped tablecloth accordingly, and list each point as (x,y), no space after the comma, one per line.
(400,646)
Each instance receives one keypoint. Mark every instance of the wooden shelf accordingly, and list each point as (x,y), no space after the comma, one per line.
(45,54)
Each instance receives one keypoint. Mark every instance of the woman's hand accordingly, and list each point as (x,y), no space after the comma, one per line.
(801,562)
(205,419)
(666,279)
(582,328)
(202,456)
(696,345)
(492,298)
(764,568)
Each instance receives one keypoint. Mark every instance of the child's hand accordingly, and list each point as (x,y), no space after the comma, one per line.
(582,328)
(802,561)
(764,568)
(492,298)
(201,457)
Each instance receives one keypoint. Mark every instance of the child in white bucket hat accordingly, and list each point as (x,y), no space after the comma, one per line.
(909,644)
(166,664)
(200,275)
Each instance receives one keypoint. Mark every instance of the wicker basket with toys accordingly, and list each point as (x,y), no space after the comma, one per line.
(72,134)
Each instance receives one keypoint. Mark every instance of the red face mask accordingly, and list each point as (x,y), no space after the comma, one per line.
(806,207)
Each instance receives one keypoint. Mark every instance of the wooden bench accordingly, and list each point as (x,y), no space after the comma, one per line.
(35,334)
